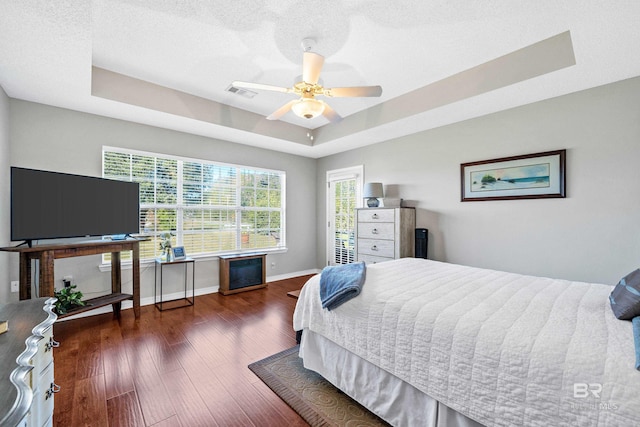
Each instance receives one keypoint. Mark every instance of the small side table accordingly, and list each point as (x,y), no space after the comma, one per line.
(186,300)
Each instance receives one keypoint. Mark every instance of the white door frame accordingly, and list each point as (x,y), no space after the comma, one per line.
(353,172)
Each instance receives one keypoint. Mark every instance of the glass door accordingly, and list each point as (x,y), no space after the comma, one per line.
(343,197)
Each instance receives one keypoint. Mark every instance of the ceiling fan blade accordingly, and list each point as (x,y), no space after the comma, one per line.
(311,66)
(260,86)
(330,114)
(282,110)
(355,91)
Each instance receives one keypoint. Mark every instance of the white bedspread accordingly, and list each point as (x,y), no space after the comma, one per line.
(502,348)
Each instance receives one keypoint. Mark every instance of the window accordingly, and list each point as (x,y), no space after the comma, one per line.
(210,208)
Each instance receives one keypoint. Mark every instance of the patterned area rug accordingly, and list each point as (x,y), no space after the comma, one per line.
(310,395)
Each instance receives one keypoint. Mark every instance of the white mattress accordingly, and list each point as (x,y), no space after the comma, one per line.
(501,348)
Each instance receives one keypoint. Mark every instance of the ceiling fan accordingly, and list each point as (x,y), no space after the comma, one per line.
(307,106)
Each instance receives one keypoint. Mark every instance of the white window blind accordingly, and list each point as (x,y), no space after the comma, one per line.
(344,197)
(210,208)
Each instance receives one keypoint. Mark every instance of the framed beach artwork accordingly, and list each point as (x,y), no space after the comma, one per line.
(531,176)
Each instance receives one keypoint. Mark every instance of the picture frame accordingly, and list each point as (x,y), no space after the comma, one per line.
(178,252)
(529,176)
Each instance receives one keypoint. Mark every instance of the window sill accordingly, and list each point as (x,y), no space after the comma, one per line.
(127,265)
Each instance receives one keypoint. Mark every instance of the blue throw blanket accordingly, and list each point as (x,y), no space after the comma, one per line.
(340,283)
(636,339)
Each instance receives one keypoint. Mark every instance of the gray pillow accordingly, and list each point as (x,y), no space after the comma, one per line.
(625,297)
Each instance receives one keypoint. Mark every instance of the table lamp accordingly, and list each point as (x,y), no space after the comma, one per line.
(373,190)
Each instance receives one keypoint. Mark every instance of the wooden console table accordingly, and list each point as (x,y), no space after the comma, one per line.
(47,254)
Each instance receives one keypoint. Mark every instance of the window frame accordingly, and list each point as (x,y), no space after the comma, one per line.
(181,205)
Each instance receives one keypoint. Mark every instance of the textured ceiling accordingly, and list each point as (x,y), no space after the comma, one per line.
(168,63)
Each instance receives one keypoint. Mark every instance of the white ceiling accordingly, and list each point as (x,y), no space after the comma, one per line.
(168,63)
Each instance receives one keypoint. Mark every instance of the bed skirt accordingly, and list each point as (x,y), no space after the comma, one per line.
(390,398)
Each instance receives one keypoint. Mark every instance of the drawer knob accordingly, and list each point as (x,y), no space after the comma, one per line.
(53,389)
(374,231)
(374,216)
(374,248)
(51,344)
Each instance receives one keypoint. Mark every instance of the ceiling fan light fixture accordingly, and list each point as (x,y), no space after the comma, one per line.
(307,87)
(308,108)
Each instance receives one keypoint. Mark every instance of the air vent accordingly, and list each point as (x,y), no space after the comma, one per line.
(242,92)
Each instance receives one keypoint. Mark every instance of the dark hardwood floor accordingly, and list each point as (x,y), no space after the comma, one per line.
(182,367)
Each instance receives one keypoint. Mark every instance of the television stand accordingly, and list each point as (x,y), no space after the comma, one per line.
(47,254)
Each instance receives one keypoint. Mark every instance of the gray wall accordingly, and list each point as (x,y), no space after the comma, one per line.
(592,235)
(51,138)
(4,199)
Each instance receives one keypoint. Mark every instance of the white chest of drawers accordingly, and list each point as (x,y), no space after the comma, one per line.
(26,364)
(383,234)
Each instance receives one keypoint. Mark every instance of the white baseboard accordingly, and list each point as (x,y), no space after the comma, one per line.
(176,295)
(290,275)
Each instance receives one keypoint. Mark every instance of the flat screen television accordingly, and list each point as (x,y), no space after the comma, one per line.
(52,205)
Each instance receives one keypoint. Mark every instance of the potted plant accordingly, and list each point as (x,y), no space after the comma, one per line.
(68,299)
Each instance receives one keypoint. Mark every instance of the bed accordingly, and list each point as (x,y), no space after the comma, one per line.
(437,344)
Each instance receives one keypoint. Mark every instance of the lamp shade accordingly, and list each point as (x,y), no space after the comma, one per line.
(308,108)
(372,189)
